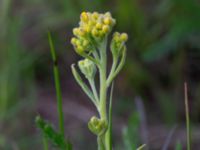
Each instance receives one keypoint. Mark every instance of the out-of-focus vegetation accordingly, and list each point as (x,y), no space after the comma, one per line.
(163,52)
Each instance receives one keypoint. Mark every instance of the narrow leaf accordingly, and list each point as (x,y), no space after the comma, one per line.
(141,147)
(82,84)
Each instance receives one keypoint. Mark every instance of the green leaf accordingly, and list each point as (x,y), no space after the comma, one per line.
(83,85)
(56,138)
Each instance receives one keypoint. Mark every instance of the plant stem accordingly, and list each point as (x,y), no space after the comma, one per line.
(109,131)
(45,143)
(57,85)
(187,117)
(103,88)
(59,99)
(92,84)
(100,143)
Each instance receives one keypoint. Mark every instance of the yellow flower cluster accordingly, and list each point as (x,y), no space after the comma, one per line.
(118,41)
(80,44)
(92,26)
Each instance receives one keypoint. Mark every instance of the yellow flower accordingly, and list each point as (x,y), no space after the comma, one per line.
(73,41)
(124,37)
(98,25)
(84,17)
(79,49)
(75,31)
(95,33)
(107,21)
(95,15)
(105,28)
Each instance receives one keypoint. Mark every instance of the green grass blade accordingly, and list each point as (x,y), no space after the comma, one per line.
(187,117)
(141,147)
(58,91)
(57,84)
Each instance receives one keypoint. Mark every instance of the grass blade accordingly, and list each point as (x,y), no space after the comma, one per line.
(141,147)
(57,84)
(58,91)
(187,117)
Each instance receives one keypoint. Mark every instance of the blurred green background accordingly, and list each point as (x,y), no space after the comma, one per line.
(163,53)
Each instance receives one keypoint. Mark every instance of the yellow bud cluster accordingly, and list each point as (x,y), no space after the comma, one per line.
(81,45)
(118,42)
(117,37)
(94,24)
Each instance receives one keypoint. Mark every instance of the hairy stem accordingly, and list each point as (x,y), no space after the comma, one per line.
(103,87)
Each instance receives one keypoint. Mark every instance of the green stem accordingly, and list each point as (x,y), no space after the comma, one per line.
(59,99)
(119,67)
(100,143)
(109,131)
(103,93)
(92,84)
(57,85)
(103,86)
(45,143)
(187,118)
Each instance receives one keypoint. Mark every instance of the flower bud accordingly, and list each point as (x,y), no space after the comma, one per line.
(73,41)
(98,25)
(79,49)
(95,15)
(87,28)
(88,68)
(95,33)
(97,126)
(118,42)
(107,21)
(105,28)
(81,32)
(124,37)
(76,31)
(84,17)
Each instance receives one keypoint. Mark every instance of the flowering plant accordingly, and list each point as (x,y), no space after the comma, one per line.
(90,42)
